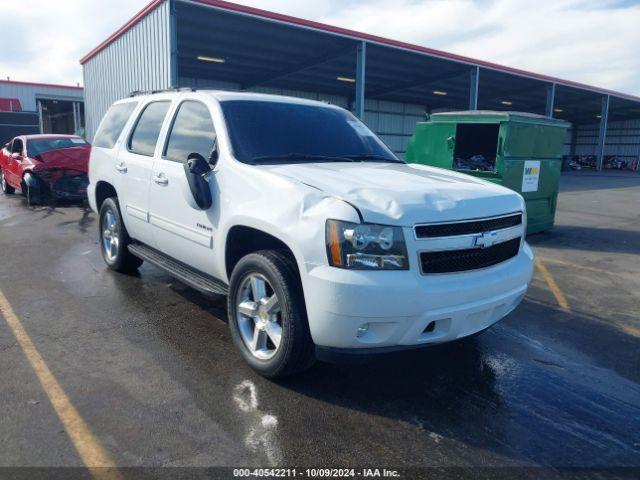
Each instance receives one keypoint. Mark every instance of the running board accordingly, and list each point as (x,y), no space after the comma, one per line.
(184,273)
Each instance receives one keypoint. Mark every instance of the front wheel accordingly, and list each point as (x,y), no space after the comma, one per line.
(6,188)
(32,190)
(267,314)
(114,239)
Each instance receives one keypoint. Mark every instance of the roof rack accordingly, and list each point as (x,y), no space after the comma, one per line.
(136,93)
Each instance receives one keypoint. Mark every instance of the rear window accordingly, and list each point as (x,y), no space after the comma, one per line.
(42,145)
(112,124)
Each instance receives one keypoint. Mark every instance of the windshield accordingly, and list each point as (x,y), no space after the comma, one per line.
(42,145)
(279,132)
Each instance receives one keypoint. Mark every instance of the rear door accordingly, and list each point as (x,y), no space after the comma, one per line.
(135,165)
(180,229)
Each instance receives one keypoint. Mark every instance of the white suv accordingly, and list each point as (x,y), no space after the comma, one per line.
(324,241)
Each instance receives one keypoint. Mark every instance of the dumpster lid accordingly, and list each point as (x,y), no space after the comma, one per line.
(495,115)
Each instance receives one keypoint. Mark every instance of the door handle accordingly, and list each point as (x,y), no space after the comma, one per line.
(122,168)
(161,179)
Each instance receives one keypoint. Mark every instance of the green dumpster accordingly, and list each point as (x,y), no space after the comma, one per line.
(521,151)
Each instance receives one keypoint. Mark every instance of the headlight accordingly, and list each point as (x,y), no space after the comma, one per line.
(365,246)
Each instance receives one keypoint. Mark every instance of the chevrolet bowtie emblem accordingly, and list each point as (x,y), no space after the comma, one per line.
(486,239)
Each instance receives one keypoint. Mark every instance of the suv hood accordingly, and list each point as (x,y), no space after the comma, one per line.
(404,194)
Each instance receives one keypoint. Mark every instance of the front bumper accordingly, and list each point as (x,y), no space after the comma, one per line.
(63,184)
(406,308)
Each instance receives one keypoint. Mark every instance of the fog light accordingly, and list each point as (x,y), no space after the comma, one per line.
(362,329)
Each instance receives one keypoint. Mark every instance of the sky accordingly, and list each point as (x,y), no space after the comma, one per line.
(590,41)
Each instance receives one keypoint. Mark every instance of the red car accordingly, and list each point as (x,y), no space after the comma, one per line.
(45,166)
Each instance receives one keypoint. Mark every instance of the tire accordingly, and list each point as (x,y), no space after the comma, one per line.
(295,350)
(6,188)
(114,239)
(31,193)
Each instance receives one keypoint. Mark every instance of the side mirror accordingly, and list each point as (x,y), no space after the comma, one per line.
(195,170)
(197,164)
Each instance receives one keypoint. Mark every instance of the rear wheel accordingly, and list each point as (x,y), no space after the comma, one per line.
(114,239)
(6,188)
(267,314)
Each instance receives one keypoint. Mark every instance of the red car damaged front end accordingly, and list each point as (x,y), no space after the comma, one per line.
(63,174)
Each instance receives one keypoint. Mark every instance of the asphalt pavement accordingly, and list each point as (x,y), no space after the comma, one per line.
(149,364)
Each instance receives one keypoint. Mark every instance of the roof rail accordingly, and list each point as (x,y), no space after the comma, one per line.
(136,93)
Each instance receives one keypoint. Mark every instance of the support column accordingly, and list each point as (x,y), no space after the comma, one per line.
(551,99)
(574,138)
(473,88)
(602,134)
(173,46)
(40,116)
(360,78)
(75,117)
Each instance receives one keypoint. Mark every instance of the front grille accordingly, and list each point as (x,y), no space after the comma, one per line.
(467,228)
(71,184)
(468,259)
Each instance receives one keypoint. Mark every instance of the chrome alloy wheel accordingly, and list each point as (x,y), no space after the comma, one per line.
(3,181)
(258,316)
(110,238)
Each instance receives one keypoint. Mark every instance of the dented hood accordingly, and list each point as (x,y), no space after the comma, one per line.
(76,158)
(404,194)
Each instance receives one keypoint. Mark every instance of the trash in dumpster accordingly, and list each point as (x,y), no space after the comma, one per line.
(476,162)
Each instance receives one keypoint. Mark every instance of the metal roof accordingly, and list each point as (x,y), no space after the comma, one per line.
(254,48)
(343,32)
(35,84)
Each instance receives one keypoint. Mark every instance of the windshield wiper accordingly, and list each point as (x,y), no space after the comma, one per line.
(287,157)
(363,157)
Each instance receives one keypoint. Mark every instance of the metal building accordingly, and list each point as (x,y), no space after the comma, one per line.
(27,107)
(389,84)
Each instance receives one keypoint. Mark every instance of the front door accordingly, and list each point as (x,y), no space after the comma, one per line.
(135,166)
(13,173)
(180,228)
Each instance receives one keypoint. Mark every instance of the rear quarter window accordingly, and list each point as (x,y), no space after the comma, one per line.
(112,124)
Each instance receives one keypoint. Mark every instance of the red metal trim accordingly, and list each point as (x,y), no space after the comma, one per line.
(123,29)
(36,84)
(234,7)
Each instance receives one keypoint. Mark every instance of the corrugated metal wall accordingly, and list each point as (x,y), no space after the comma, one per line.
(27,94)
(394,122)
(623,139)
(138,60)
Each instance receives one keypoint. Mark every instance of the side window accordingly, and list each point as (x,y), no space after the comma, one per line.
(17,146)
(192,132)
(112,124)
(145,134)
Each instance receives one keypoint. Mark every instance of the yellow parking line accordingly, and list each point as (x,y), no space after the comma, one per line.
(575,265)
(553,286)
(94,456)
